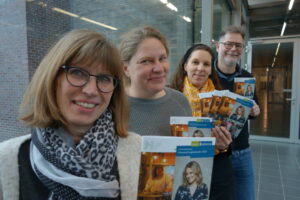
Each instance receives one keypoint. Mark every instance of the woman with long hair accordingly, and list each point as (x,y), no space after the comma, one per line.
(195,75)
(192,187)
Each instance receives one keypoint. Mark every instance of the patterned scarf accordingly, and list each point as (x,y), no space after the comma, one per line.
(192,92)
(79,172)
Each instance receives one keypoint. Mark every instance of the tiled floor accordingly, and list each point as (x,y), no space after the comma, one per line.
(277,170)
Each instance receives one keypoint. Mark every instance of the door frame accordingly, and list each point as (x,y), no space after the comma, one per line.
(295,106)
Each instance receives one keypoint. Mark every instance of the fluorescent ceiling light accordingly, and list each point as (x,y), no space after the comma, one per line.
(283,28)
(83,18)
(273,61)
(164,1)
(291,4)
(172,7)
(186,18)
(277,49)
(98,23)
(64,12)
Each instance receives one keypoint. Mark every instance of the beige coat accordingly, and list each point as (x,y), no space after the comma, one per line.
(128,156)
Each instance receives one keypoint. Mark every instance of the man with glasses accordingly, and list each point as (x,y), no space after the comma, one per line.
(230,48)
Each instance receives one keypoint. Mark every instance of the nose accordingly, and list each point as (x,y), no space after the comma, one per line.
(90,88)
(233,47)
(158,66)
(200,67)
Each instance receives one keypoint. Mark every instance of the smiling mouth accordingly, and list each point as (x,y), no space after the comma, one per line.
(199,75)
(160,78)
(85,105)
(234,55)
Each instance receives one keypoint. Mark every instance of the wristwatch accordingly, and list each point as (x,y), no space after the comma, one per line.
(218,151)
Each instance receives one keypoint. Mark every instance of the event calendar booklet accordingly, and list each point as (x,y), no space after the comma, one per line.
(245,86)
(205,101)
(215,103)
(191,126)
(234,111)
(226,109)
(168,162)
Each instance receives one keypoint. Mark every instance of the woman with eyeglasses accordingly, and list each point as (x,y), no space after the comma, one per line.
(195,75)
(79,147)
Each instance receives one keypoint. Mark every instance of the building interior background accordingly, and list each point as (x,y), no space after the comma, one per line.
(28,28)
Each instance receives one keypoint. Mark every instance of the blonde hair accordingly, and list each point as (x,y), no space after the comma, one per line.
(242,108)
(39,107)
(195,167)
(131,40)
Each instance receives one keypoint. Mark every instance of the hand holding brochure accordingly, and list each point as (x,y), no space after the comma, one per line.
(228,109)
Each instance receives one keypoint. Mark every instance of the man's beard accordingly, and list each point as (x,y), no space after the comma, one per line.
(230,63)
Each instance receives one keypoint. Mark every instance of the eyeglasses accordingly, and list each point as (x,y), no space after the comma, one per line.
(79,77)
(229,45)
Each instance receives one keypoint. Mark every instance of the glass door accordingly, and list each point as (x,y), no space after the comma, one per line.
(274,64)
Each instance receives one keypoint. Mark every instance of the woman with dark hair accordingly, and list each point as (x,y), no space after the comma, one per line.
(195,75)
(192,187)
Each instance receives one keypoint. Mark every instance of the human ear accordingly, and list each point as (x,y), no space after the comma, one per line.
(217,46)
(185,67)
(126,70)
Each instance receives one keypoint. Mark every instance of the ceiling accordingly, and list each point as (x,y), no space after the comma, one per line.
(266,17)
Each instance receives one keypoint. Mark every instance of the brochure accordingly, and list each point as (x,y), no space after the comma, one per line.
(224,108)
(191,126)
(236,109)
(205,101)
(215,104)
(163,160)
(245,86)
